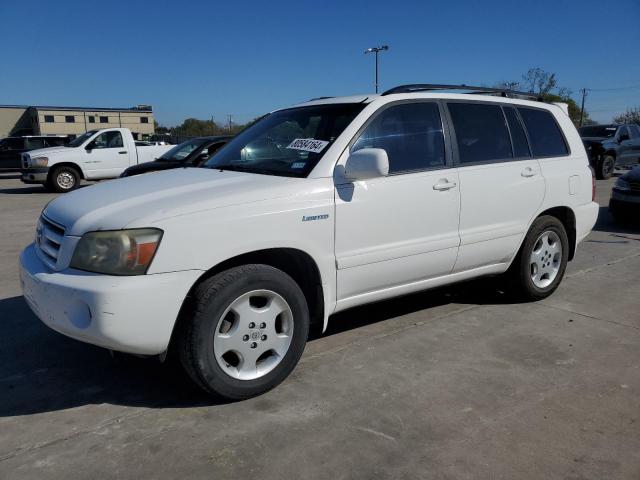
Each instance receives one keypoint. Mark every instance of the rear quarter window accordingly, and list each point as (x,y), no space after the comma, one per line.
(481,132)
(545,136)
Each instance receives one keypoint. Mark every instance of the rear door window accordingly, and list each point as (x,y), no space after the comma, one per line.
(634,131)
(481,132)
(544,133)
(518,137)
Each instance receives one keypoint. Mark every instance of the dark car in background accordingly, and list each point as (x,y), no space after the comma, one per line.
(191,153)
(625,197)
(11,149)
(611,146)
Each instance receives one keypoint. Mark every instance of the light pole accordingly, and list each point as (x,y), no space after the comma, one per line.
(376,50)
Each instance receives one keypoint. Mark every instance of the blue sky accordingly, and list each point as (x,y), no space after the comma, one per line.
(213,58)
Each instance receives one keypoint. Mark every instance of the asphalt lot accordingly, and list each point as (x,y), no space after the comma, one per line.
(454,383)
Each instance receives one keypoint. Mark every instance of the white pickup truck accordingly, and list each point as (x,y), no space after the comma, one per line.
(94,155)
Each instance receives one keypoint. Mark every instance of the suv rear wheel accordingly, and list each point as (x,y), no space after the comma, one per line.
(245,332)
(63,179)
(542,260)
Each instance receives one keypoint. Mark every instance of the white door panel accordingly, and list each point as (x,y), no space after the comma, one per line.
(395,230)
(109,157)
(498,201)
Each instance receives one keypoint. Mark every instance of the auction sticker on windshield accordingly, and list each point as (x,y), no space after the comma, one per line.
(308,145)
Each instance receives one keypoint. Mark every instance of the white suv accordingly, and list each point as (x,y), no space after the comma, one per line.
(314,209)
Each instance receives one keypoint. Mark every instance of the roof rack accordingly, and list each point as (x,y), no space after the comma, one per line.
(318,98)
(426,87)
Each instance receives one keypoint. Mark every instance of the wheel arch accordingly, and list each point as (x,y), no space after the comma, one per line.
(567,217)
(296,263)
(75,166)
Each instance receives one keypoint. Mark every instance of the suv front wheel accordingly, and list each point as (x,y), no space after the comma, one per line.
(245,331)
(542,260)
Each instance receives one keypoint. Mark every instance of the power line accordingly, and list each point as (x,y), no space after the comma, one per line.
(615,89)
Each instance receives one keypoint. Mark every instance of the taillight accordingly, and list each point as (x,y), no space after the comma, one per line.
(593,184)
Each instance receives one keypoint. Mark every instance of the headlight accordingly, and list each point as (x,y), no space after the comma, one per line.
(39,161)
(117,252)
(621,184)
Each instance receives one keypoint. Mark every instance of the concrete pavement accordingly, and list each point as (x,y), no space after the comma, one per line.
(452,383)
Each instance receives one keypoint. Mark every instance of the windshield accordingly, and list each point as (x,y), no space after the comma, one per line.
(288,142)
(81,139)
(606,131)
(182,151)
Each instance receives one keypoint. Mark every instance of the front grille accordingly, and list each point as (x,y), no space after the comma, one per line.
(48,240)
(634,186)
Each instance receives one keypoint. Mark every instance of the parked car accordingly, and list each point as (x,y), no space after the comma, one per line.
(372,197)
(192,153)
(12,148)
(611,146)
(94,155)
(624,204)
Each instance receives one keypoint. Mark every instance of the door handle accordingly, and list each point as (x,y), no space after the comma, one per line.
(444,186)
(528,172)
(122,153)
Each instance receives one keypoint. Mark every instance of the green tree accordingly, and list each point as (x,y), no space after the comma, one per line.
(632,115)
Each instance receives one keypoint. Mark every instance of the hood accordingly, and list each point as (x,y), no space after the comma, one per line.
(43,152)
(142,200)
(632,175)
(152,166)
(596,139)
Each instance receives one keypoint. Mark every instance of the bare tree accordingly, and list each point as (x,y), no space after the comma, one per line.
(539,81)
(632,115)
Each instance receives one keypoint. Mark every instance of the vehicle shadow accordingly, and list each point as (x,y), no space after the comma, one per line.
(24,190)
(43,371)
(607,224)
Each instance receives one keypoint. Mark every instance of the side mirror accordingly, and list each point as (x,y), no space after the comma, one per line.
(89,147)
(623,138)
(367,163)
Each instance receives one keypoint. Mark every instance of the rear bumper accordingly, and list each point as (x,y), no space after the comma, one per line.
(130,314)
(586,217)
(34,175)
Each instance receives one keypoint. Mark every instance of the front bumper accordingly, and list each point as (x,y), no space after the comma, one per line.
(134,314)
(34,175)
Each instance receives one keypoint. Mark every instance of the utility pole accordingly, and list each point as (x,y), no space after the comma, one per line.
(376,50)
(230,117)
(584,94)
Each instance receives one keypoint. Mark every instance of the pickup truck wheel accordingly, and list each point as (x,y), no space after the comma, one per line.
(606,167)
(245,331)
(542,260)
(63,179)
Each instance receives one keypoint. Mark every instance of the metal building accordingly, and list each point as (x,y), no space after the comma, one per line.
(47,120)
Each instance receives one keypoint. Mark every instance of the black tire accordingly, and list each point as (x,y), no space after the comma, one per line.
(520,277)
(198,324)
(605,167)
(63,179)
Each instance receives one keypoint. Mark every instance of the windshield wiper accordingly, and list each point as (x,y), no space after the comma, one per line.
(240,168)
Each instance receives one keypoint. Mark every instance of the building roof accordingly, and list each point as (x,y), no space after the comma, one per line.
(139,108)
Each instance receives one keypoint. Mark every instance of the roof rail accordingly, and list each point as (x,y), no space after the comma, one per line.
(318,98)
(425,87)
